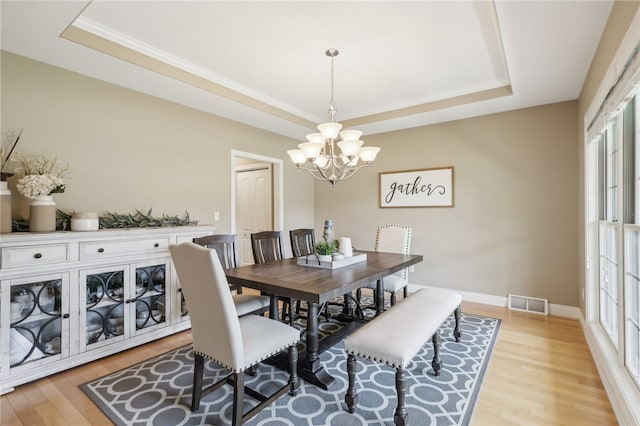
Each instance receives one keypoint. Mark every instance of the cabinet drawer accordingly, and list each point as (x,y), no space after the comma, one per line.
(104,249)
(13,257)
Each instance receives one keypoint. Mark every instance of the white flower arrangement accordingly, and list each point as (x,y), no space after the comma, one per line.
(42,176)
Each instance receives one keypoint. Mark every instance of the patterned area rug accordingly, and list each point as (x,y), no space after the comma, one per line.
(158,391)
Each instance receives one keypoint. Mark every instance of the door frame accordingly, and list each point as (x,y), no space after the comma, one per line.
(277,190)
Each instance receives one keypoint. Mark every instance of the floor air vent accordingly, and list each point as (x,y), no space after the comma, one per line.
(528,304)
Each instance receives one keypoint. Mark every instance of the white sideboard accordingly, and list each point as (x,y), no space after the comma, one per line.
(68,298)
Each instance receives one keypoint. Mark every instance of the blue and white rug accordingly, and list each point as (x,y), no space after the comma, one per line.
(158,391)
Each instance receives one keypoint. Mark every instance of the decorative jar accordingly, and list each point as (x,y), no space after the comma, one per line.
(42,214)
(84,221)
(5,208)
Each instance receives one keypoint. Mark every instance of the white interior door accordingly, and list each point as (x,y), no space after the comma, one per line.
(254,206)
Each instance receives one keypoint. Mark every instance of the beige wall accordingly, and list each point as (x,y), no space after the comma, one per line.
(618,23)
(512,229)
(132,151)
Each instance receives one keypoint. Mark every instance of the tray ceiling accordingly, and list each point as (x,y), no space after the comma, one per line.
(401,64)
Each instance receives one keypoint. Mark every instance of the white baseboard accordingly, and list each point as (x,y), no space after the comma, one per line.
(489,299)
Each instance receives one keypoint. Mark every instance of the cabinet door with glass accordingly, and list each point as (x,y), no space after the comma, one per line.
(148,298)
(37,313)
(102,306)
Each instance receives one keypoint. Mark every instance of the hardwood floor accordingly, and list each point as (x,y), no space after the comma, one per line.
(541,373)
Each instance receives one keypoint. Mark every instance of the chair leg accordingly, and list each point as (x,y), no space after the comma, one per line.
(400,416)
(198,373)
(436,363)
(405,292)
(294,381)
(238,398)
(298,306)
(351,397)
(456,331)
(358,295)
(393,298)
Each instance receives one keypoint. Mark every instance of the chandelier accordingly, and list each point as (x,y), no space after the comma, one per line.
(318,155)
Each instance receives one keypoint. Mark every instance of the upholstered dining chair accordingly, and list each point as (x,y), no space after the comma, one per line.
(392,239)
(267,247)
(219,334)
(225,246)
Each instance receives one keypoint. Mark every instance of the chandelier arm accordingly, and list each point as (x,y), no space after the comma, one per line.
(321,172)
(314,173)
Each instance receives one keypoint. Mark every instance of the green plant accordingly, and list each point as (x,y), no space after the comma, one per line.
(141,220)
(325,247)
(114,220)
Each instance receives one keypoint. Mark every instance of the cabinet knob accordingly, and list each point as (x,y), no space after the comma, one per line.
(156,245)
(37,255)
(65,316)
(100,250)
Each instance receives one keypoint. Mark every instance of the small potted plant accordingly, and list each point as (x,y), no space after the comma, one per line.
(324,249)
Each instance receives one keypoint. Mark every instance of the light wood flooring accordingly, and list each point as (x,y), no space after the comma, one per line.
(541,373)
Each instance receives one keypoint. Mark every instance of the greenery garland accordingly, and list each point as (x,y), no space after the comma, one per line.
(114,220)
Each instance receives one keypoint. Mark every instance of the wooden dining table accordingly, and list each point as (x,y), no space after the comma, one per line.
(316,286)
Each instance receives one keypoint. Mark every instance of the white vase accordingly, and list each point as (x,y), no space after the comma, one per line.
(324,257)
(42,214)
(5,208)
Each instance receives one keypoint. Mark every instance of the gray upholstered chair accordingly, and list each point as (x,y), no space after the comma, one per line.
(392,239)
(236,343)
(225,246)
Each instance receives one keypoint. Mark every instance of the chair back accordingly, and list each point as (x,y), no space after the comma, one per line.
(214,321)
(267,246)
(394,239)
(225,245)
(302,241)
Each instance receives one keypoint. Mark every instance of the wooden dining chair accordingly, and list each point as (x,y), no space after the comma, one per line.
(303,241)
(267,247)
(236,343)
(392,239)
(225,246)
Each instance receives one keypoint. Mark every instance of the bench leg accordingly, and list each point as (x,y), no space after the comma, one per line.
(435,363)
(351,397)
(456,331)
(400,416)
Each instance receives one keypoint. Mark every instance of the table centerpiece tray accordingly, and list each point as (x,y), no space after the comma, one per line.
(313,261)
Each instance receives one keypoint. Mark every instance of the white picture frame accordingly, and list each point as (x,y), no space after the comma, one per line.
(417,188)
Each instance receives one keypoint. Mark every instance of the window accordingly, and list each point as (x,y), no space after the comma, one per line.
(615,172)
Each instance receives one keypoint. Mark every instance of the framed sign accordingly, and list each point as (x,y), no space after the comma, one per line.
(417,188)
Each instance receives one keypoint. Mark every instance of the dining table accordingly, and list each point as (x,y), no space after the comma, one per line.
(316,286)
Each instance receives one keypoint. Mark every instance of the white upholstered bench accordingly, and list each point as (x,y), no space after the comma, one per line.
(397,335)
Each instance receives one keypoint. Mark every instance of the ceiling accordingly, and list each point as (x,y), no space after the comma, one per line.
(263,63)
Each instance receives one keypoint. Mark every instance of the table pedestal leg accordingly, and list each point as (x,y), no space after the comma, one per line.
(310,367)
(273,307)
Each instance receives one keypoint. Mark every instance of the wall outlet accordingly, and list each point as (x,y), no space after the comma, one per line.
(216,216)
